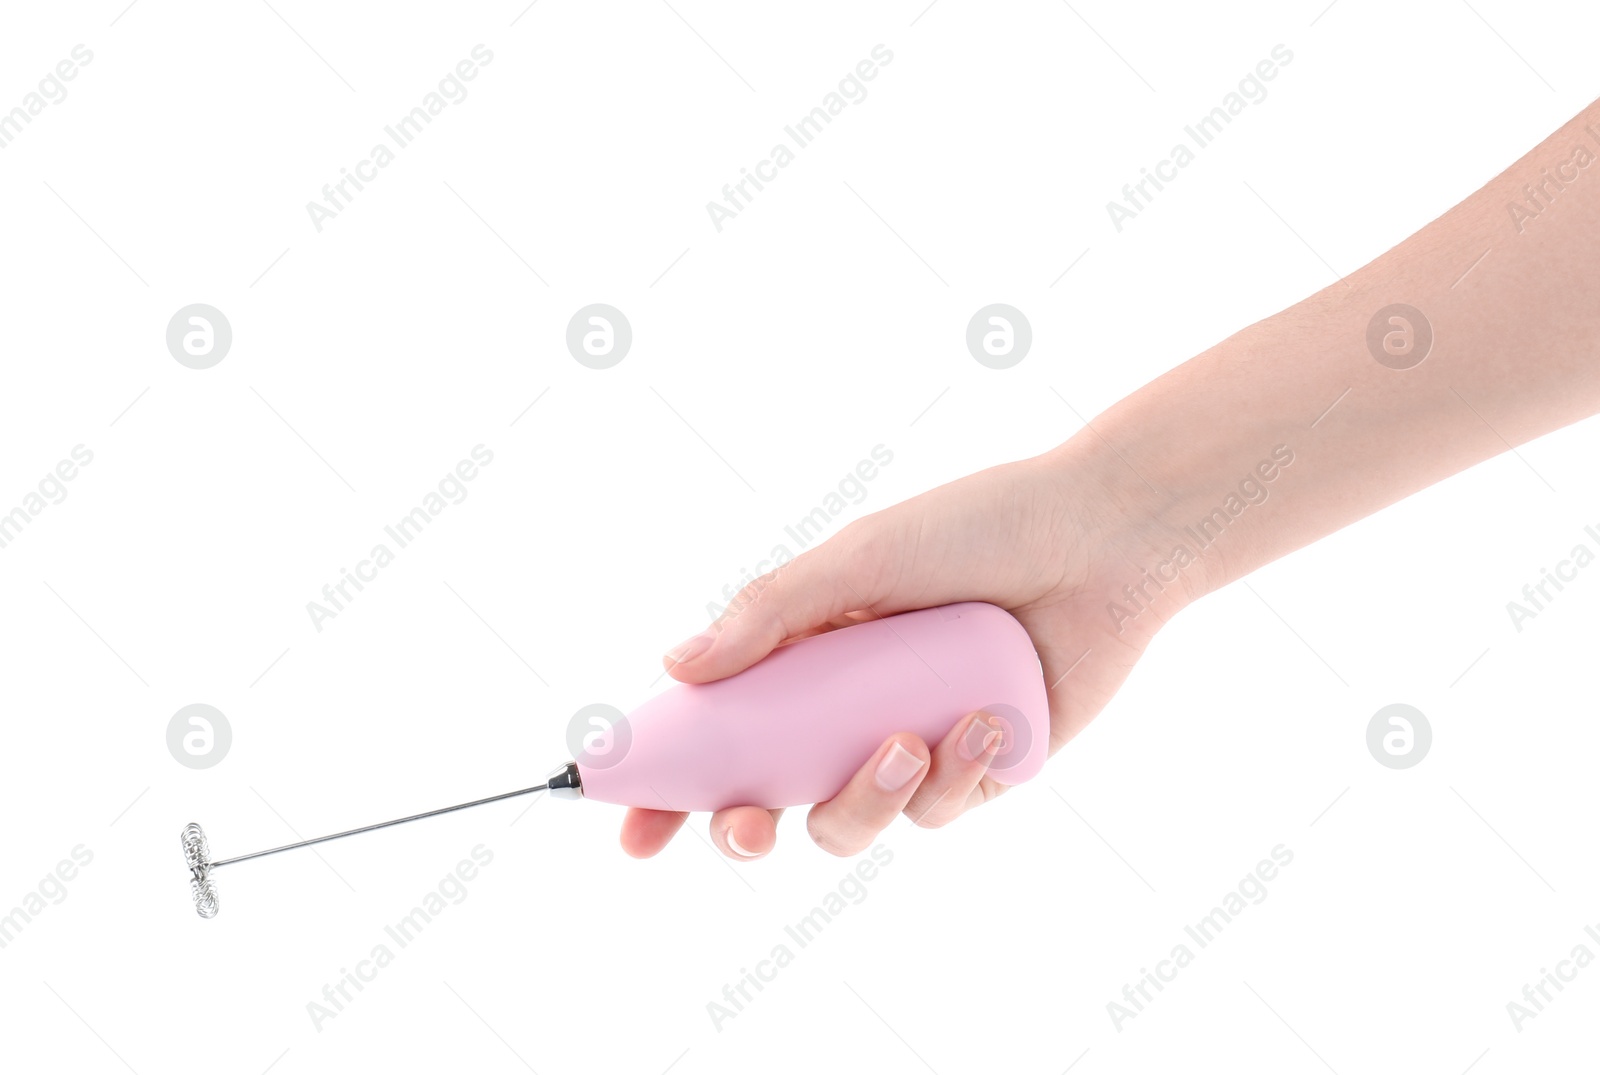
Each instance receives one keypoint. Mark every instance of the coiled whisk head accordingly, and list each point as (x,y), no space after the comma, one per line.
(197,856)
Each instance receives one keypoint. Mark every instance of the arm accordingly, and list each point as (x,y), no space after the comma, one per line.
(1337,406)
(1514,355)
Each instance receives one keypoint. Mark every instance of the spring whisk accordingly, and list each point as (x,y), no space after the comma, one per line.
(562,783)
(197,856)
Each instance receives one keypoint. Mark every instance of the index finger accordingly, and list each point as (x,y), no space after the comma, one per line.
(646,832)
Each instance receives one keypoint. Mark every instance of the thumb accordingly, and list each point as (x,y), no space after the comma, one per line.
(840,575)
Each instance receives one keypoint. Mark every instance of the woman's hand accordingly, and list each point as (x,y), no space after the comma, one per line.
(1290,429)
(1031,537)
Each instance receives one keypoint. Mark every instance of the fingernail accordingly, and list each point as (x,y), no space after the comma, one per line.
(979,738)
(993,741)
(897,767)
(738,849)
(688,651)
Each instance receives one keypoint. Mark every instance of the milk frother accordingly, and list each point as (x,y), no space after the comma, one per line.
(789,730)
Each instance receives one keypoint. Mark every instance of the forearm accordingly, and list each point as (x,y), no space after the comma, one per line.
(1516,336)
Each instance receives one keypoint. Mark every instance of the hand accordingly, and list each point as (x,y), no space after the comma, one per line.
(1094,545)
(1031,537)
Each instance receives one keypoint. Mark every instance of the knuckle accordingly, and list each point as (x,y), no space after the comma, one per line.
(752,593)
(934,813)
(825,837)
(864,547)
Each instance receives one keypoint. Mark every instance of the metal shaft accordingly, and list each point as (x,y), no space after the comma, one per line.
(382,825)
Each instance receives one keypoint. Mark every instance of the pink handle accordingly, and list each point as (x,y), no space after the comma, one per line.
(793,728)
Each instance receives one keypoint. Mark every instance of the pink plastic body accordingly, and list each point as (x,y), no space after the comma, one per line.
(793,728)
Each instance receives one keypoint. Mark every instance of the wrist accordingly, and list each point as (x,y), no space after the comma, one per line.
(1124,537)
(1177,504)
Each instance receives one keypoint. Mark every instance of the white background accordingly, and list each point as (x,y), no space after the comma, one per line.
(416,325)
